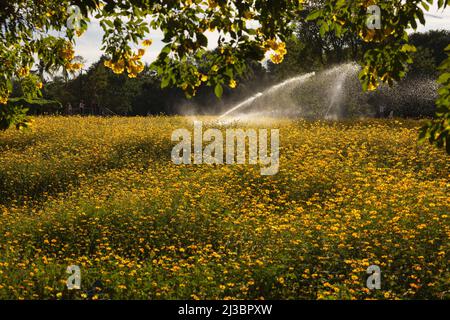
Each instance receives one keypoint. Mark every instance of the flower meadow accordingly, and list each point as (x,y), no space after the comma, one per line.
(103,194)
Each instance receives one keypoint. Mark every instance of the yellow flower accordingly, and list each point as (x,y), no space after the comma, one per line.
(118,67)
(372,86)
(367,35)
(272,44)
(73,66)
(67,53)
(212,4)
(233,84)
(77,66)
(23,72)
(141,52)
(276,58)
(281,50)
(39,85)
(3,100)
(278,49)
(147,43)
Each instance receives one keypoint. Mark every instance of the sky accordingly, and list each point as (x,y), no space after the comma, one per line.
(89,44)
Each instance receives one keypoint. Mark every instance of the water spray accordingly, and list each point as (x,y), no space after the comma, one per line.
(269,91)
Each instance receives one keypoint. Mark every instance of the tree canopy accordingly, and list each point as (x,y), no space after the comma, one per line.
(248,29)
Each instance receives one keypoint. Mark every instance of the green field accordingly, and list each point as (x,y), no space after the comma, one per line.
(103,194)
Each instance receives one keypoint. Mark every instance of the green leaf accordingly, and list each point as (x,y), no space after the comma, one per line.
(408,48)
(323,29)
(165,82)
(218,90)
(443,78)
(314,15)
(202,39)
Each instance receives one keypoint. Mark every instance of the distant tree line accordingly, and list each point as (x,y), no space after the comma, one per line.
(97,90)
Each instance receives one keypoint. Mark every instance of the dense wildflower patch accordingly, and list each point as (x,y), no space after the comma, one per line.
(103,194)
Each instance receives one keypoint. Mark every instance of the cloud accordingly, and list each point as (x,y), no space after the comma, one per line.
(436,19)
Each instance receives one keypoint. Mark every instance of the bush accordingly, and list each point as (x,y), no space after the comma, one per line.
(37,106)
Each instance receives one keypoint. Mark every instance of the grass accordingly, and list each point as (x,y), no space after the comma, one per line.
(103,194)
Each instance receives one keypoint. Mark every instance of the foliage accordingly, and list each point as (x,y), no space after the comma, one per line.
(434,40)
(37,106)
(438,131)
(424,64)
(12,115)
(414,96)
(99,86)
(430,52)
(311,48)
(102,193)
(25,39)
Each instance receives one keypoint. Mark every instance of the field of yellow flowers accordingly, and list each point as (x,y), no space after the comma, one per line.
(103,194)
